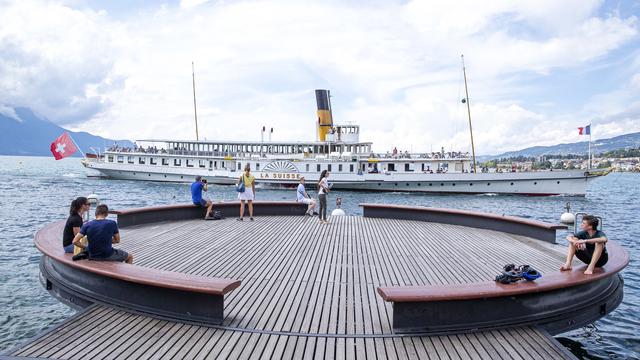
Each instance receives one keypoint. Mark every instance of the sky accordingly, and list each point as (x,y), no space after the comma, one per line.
(536,70)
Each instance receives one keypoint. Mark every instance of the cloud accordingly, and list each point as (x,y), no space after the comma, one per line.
(9,112)
(57,60)
(393,67)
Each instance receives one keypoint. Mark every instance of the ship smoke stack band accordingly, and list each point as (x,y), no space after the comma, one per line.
(325,120)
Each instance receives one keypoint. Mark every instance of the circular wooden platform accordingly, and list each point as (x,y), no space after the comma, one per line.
(286,277)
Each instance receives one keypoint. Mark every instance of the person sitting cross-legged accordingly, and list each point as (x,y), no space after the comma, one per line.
(587,245)
(102,233)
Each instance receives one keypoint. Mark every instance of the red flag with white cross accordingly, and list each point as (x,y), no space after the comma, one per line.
(63,146)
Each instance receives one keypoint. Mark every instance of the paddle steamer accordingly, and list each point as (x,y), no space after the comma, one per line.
(352,164)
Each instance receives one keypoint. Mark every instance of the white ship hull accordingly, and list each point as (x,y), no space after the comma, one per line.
(524,183)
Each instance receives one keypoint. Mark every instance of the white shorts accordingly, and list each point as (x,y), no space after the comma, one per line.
(247,194)
(306,201)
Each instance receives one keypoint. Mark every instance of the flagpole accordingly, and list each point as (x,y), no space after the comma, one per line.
(589,165)
(77,146)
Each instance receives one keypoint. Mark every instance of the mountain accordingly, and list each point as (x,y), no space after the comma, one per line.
(580,148)
(32,136)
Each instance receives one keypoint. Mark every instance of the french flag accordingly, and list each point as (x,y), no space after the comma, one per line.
(585,130)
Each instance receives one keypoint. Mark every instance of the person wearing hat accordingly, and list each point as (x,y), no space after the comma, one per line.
(304,197)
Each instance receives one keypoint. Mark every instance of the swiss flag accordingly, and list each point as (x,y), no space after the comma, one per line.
(63,146)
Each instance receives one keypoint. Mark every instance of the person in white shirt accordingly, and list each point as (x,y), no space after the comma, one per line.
(323,190)
(303,197)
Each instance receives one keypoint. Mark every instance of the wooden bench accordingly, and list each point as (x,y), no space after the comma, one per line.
(508,224)
(163,293)
(129,217)
(557,301)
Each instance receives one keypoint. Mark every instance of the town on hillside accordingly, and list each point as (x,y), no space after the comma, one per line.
(622,160)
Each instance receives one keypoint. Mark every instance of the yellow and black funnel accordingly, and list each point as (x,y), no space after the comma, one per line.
(325,120)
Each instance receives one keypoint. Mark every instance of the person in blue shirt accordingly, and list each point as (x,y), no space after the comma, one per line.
(303,197)
(197,188)
(102,233)
(588,245)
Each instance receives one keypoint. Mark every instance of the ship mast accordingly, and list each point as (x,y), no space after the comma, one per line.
(466,100)
(195,113)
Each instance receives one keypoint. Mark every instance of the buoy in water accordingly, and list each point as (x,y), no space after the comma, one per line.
(93,199)
(338,212)
(568,217)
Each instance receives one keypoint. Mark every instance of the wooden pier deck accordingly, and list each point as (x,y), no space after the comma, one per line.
(104,333)
(308,291)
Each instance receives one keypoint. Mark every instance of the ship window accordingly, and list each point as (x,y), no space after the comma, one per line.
(391,167)
(239,166)
(511,183)
(257,166)
(329,167)
(110,158)
(130,159)
(202,163)
(121,159)
(488,184)
(406,167)
(558,182)
(153,161)
(307,167)
(141,160)
(430,184)
(441,184)
(470,184)
(454,184)
(318,167)
(351,168)
(215,164)
(165,161)
(340,167)
(535,183)
(177,162)
(396,184)
(189,163)
(418,184)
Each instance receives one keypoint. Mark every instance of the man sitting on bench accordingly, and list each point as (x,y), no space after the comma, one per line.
(587,245)
(101,234)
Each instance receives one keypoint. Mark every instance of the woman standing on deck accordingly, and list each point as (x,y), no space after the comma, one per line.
(323,189)
(249,192)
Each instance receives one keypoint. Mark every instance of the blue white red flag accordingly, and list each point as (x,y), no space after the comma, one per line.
(584,130)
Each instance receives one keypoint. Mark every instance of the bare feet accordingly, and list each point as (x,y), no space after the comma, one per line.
(588,272)
(565,267)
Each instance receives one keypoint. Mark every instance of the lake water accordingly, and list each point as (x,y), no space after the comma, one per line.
(35,191)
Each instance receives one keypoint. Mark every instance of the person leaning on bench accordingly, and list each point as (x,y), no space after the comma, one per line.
(101,234)
(587,245)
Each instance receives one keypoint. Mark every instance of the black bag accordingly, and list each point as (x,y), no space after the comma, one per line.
(217,215)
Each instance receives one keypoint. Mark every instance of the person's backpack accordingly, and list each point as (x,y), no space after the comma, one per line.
(217,215)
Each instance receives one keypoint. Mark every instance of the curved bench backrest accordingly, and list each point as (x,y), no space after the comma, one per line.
(508,224)
(147,215)
(618,260)
(49,241)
